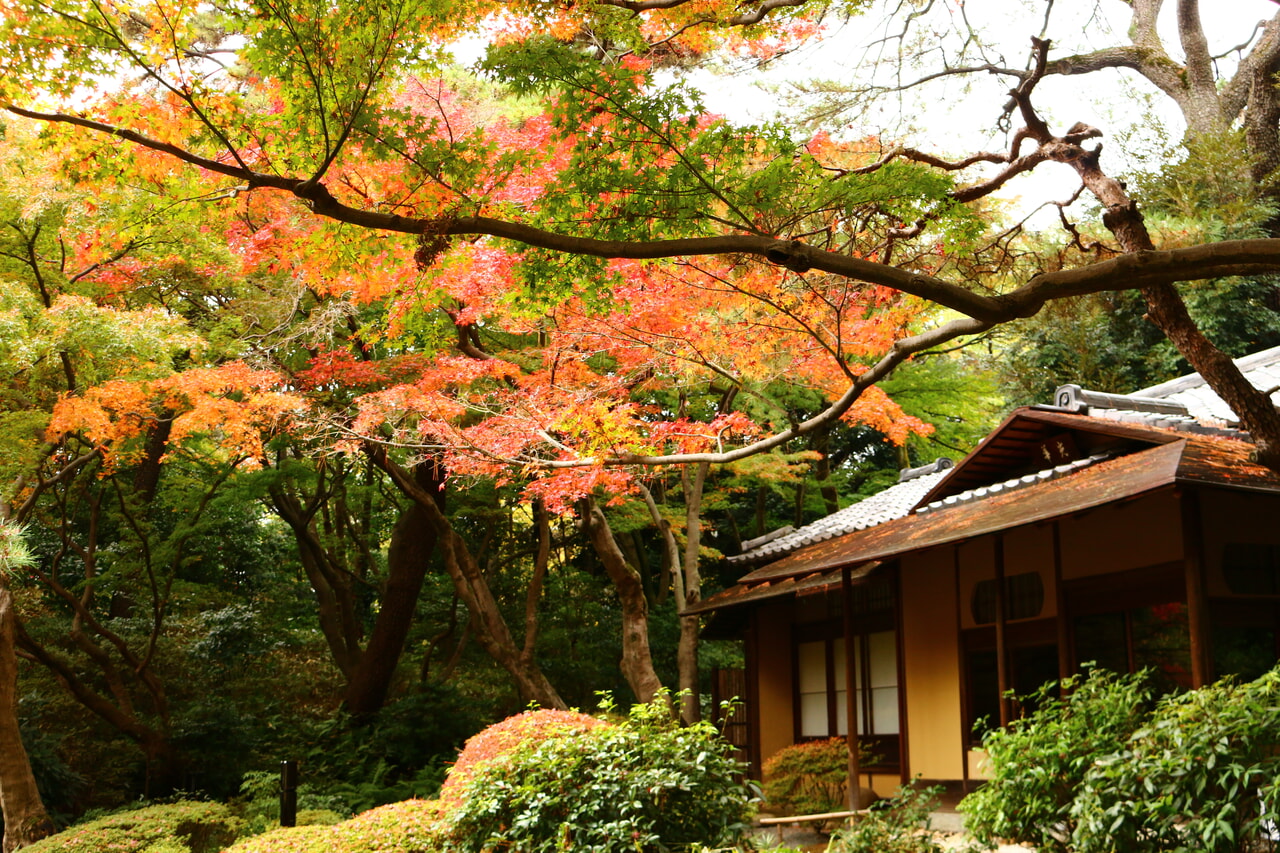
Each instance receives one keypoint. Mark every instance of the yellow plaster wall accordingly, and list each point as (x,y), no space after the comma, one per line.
(1026,549)
(1142,532)
(774,673)
(977,563)
(884,784)
(978,769)
(1030,549)
(932,665)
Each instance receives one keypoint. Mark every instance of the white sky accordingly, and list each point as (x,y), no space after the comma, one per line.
(952,117)
(957,116)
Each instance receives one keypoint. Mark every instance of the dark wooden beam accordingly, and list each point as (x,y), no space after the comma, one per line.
(1197,599)
(850,685)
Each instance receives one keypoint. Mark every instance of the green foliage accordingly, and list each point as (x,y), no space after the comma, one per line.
(1039,762)
(1101,342)
(643,784)
(182,827)
(1208,188)
(349,768)
(15,554)
(810,777)
(954,394)
(1104,769)
(58,783)
(500,740)
(260,802)
(899,824)
(1201,774)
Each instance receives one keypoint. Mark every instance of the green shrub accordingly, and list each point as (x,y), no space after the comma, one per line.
(644,784)
(318,817)
(810,777)
(1038,764)
(408,827)
(899,824)
(502,738)
(1105,769)
(183,827)
(1200,775)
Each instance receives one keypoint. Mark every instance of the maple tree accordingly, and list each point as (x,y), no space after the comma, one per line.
(324,117)
(539,291)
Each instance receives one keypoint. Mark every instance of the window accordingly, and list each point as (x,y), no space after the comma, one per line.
(1030,667)
(1023,595)
(1251,569)
(823,689)
(1155,637)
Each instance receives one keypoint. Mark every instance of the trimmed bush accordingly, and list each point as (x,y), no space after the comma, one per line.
(183,827)
(407,827)
(810,777)
(503,738)
(645,784)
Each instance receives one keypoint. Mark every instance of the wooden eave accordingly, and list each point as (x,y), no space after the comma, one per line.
(1106,482)
(1012,449)
(1148,460)
(739,594)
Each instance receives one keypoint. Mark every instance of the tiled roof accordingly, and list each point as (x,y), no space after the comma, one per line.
(1185,403)
(1114,479)
(1041,476)
(1262,369)
(1190,460)
(893,502)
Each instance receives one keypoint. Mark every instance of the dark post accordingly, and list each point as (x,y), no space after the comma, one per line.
(288,793)
(850,684)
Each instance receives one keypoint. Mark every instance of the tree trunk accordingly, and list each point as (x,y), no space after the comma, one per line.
(335,600)
(821,442)
(25,819)
(489,626)
(408,558)
(1165,307)
(691,594)
(637,658)
(1168,312)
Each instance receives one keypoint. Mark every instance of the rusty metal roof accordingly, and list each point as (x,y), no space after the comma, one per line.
(1148,460)
(818,582)
(1019,446)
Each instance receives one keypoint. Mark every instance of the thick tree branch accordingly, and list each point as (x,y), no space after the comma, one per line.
(752,15)
(1235,93)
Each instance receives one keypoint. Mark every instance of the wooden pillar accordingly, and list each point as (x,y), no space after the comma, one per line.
(751,653)
(1002,652)
(904,745)
(1063,620)
(966,710)
(850,685)
(1197,601)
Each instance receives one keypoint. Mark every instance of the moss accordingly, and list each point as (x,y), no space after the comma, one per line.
(183,827)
